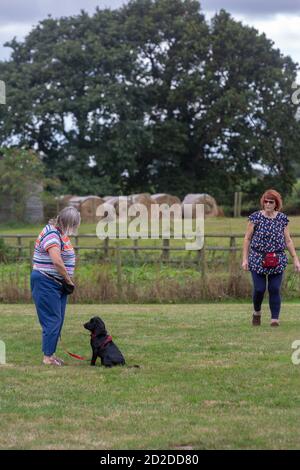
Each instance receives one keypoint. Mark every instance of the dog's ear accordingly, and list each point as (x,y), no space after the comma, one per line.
(99,326)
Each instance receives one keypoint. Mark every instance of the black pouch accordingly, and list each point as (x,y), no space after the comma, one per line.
(67,288)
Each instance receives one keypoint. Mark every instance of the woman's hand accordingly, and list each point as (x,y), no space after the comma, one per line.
(297,265)
(69,281)
(245,265)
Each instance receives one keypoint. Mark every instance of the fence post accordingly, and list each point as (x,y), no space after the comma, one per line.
(19,237)
(106,245)
(135,246)
(203,264)
(31,250)
(232,253)
(119,273)
(165,249)
(240,204)
(237,204)
(76,245)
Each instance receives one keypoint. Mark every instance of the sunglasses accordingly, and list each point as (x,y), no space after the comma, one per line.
(269,201)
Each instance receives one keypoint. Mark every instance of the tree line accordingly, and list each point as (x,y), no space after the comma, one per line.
(153,97)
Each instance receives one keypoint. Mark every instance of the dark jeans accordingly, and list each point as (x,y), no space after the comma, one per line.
(274,285)
(50,303)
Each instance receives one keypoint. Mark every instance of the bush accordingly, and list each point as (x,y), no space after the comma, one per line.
(292,203)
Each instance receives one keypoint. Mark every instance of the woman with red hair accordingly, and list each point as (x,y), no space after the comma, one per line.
(265,240)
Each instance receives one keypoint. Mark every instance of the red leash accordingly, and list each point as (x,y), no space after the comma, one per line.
(76,356)
(81,358)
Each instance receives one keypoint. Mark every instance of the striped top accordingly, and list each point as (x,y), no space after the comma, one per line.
(49,237)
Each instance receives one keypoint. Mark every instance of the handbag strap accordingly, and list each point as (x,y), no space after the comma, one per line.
(266,252)
(57,233)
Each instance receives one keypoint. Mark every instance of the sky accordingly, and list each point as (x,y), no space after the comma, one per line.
(279,19)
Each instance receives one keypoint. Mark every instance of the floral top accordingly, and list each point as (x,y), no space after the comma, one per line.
(268,237)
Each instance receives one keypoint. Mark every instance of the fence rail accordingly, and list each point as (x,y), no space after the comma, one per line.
(106,246)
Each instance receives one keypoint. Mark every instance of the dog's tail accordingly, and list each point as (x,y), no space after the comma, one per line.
(135,366)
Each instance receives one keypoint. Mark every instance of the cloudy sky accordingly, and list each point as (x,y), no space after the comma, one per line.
(279,19)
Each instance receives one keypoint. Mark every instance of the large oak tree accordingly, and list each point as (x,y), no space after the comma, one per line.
(153,97)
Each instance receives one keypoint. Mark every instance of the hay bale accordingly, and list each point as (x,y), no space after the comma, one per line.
(145,200)
(210,205)
(108,200)
(63,201)
(118,203)
(163,198)
(168,200)
(87,206)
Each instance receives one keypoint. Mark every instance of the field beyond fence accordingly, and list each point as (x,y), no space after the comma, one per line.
(144,270)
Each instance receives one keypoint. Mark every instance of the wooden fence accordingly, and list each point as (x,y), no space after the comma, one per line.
(106,246)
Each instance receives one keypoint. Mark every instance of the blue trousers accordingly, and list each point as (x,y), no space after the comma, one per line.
(50,304)
(274,285)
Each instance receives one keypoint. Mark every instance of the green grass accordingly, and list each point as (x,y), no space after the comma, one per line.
(207,380)
(225,225)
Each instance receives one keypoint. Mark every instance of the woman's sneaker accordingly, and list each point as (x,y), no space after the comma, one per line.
(256,319)
(59,360)
(274,323)
(52,361)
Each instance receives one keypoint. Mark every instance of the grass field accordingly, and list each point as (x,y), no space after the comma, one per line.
(212,225)
(215,225)
(207,380)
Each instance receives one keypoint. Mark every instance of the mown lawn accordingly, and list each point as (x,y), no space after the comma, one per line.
(207,380)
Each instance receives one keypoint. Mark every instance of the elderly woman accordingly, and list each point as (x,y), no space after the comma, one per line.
(267,236)
(51,277)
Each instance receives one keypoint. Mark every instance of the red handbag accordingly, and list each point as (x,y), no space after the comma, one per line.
(270,260)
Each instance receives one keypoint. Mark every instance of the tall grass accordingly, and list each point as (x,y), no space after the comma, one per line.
(104,283)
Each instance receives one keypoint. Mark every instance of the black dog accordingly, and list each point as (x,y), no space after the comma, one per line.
(103,345)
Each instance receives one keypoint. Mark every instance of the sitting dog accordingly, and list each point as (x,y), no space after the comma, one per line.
(103,345)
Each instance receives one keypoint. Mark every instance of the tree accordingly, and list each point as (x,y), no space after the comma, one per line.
(152,97)
(19,170)
(251,121)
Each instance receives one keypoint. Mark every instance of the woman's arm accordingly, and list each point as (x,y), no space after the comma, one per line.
(247,240)
(55,255)
(290,246)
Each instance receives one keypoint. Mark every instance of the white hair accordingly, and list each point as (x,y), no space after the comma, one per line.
(68,220)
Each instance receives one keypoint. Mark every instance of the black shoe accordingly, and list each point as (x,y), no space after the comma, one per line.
(256,320)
